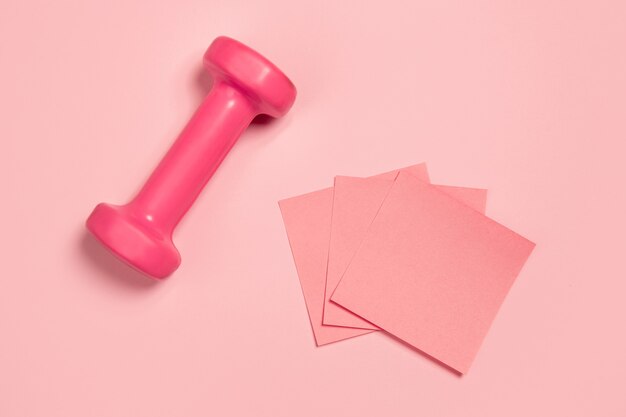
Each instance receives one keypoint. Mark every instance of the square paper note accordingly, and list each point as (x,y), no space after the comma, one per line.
(432,271)
(355,204)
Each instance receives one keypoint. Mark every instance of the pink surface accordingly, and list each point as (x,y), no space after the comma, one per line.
(432,271)
(525,99)
(355,204)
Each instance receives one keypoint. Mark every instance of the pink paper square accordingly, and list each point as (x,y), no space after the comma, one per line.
(355,204)
(432,272)
(307,221)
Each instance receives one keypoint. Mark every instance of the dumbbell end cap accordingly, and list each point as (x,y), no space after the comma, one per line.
(259,78)
(132,241)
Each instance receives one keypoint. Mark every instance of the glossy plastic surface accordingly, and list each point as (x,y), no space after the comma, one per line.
(245,85)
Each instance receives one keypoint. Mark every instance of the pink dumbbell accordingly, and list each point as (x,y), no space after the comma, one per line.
(245,85)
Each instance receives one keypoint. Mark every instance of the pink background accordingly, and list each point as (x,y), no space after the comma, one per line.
(525,98)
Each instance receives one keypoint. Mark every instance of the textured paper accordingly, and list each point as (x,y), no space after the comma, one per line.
(432,272)
(307,220)
(355,204)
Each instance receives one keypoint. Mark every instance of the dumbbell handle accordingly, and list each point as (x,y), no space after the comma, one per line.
(193,158)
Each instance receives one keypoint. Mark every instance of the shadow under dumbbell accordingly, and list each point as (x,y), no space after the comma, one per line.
(112,266)
(420,353)
(204,83)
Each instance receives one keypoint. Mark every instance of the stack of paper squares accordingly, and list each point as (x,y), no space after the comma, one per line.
(394,253)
